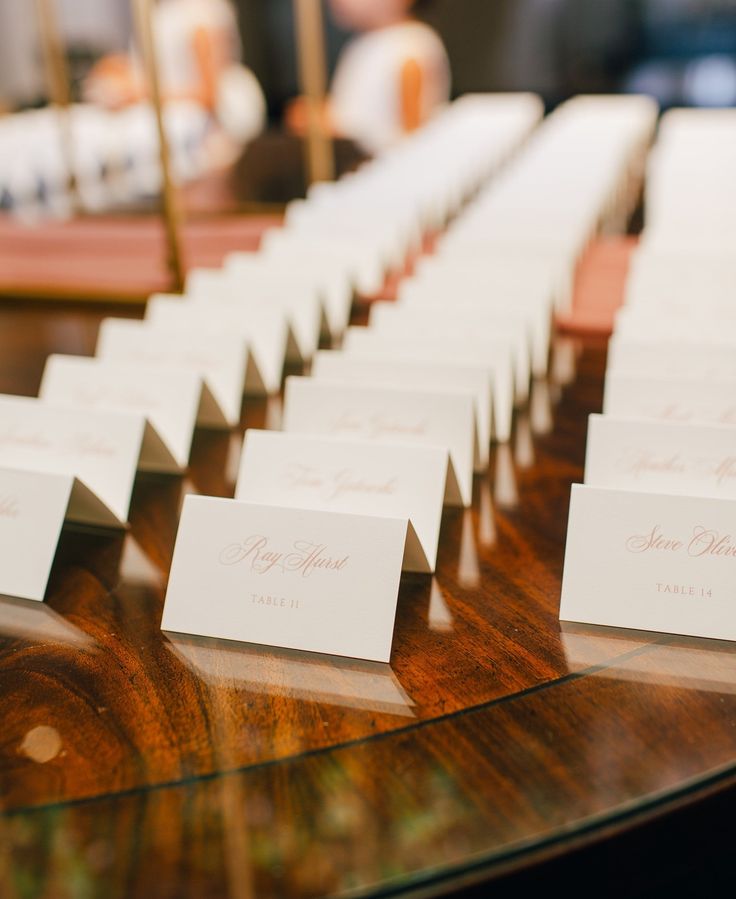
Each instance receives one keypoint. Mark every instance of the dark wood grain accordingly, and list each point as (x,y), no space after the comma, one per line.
(136,764)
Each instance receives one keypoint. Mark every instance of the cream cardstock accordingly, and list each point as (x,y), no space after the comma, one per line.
(365,342)
(661,456)
(331,285)
(32,511)
(674,399)
(266,336)
(300,304)
(419,374)
(532,310)
(33,507)
(170,398)
(300,579)
(395,320)
(221,359)
(651,562)
(101,449)
(388,415)
(337,475)
(671,358)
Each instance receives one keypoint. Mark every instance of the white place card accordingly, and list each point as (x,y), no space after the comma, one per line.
(661,456)
(221,359)
(33,506)
(266,336)
(417,373)
(650,562)
(331,285)
(299,302)
(337,475)
(367,343)
(689,399)
(534,311)
(668,358)
(388,415)
(476,327)
(103,449)
(300,579)
(169,397)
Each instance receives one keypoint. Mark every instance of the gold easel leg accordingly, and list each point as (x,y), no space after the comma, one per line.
(170,206)
(57,76)
(313,84)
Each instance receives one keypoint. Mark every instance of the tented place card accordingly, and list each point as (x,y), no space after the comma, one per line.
(674,399)
(475,326)
(661,357)
(388,415)
(266,336)
(102,449)
(533,313)
(417,373)
(221,359)
(331,285)
(392,480)
(319,581)
(366,342)
(33,506)
(651,562)
(299,303)
(661,456)
(170,397)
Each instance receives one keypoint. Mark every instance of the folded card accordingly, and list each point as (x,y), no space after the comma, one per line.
(688,399)
(661,456)
(388,415)
(651,562)
(331,285)
(418,373)
(300,579)
(299,302)
(103,449)
(367,343)
(33,506)
(532,310)
(476,326)
(664,357)
(221,359)
(338,475)
(170,397)
(266,335)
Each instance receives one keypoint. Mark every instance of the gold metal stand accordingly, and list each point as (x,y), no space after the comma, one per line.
(313,84)
(57,78)
(170,206)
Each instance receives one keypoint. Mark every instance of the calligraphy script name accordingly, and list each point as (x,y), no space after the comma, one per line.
(304,557)
(702,542)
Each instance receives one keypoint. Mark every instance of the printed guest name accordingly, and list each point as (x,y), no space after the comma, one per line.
(702,542)
(378,425)
(304,557)
(335,484)
(647,463)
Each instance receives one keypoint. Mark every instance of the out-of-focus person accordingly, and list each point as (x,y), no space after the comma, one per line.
(198,54)
(389,80)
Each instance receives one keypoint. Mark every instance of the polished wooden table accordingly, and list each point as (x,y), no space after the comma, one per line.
(497,745)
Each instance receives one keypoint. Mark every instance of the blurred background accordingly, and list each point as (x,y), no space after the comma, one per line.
(681,51)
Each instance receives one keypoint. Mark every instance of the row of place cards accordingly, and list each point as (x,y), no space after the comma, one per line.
(328,512)
(651,538)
